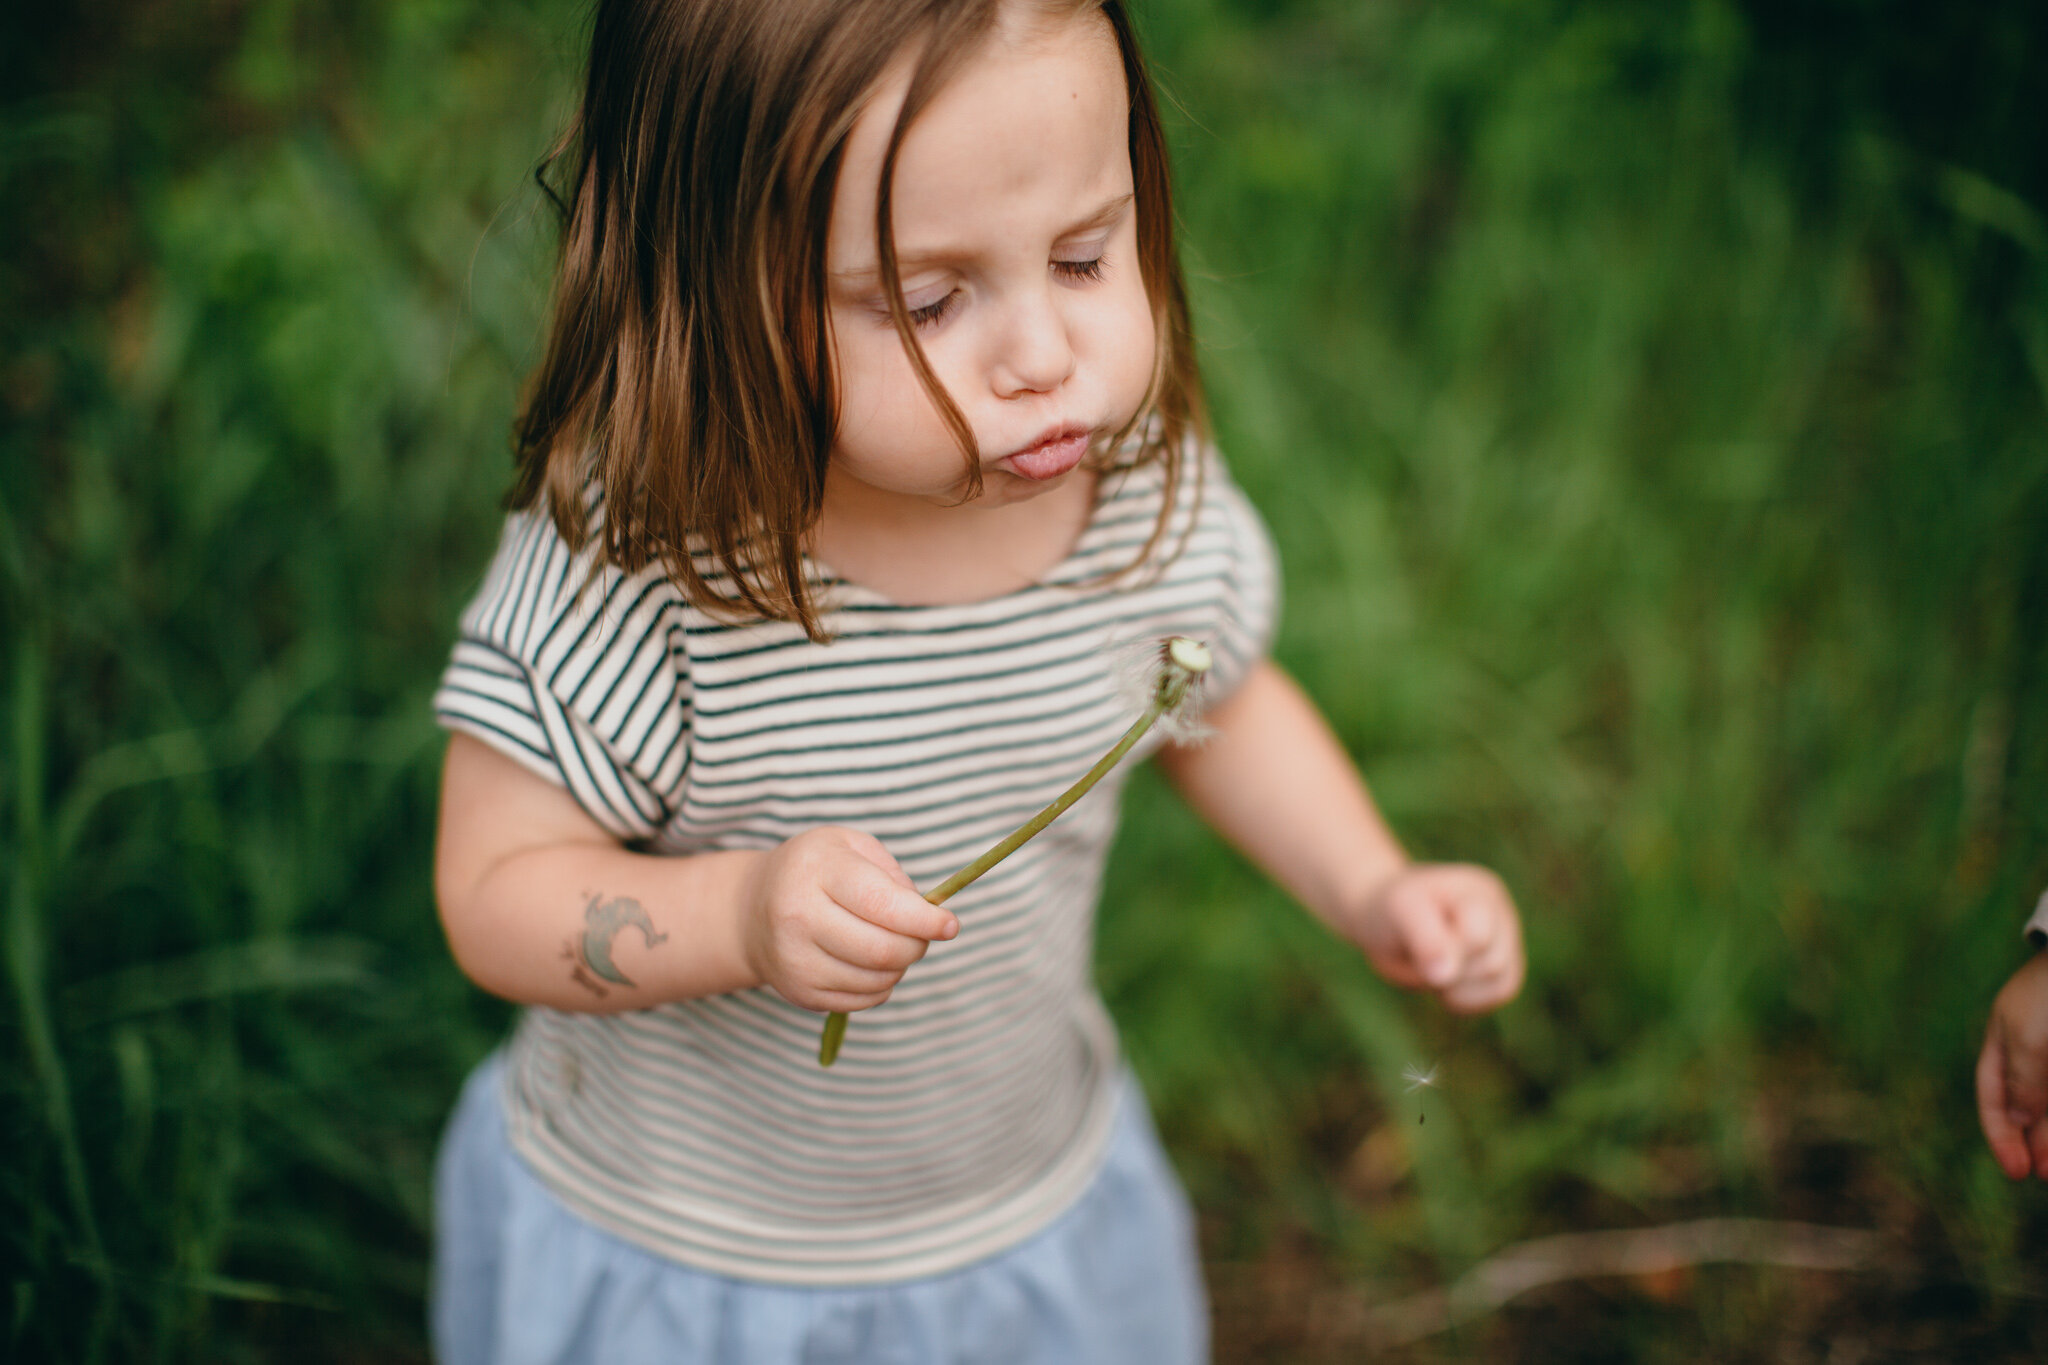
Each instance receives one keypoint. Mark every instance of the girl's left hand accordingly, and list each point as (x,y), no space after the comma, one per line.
(1448,928)
(2012,1073)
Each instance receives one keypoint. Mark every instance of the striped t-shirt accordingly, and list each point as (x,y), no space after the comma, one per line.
(974,1106)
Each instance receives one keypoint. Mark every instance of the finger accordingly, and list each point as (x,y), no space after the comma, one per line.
(2026,1073)
(822,982)
(2008,1144)
(1511,955)
(838,1002)
(869,891)
(1503,961)
(1421,923)
(1482,984)
(813,971)
(858,943)
(869,847)
(1472,997)
(1476,913)
(1491,930)
(1486,986)
(2037,1144)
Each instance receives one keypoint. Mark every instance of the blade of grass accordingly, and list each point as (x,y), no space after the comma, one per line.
(26,967)
(226,1287)
(333,960)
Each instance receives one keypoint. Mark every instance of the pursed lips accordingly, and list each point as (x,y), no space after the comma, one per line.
(1051,455)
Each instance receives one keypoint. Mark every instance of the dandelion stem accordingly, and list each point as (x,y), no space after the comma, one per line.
(1183,662)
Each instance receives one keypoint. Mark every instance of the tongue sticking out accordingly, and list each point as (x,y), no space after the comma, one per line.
(1049,459)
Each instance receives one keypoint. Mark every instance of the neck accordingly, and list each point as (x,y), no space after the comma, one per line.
(921,553)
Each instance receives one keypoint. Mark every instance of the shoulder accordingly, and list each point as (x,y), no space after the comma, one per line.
(1211,571)
(548,603)
(1190,496)
(1207,525)
(578,670)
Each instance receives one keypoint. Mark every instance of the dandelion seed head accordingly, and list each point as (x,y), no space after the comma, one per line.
(1142,667)
(1189,654)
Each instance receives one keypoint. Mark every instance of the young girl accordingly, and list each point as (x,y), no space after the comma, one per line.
(868,433)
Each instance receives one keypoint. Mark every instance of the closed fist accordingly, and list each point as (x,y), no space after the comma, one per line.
(1447,928)
(2012,1073)
(832,922)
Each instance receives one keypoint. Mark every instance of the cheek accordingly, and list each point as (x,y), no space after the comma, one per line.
(1145,338)
(878,391)
(1135,342)
(864,367)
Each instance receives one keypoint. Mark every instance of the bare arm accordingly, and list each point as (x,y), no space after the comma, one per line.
(543,907)
(1276,783)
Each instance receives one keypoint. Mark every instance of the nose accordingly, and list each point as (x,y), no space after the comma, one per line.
(1036,354)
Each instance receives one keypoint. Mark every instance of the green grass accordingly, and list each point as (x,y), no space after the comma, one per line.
(1653,417)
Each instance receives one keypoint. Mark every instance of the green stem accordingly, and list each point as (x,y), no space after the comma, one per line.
(1163,698)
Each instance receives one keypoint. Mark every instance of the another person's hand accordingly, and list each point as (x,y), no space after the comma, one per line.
(2012,1073)
(1448,928)
(832,922)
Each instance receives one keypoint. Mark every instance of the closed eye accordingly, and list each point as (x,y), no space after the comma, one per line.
(932,313)
(1075,272)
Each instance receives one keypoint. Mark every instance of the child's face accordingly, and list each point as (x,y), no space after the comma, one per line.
(1016,232)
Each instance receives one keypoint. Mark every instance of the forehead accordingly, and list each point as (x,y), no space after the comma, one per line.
(1034,120)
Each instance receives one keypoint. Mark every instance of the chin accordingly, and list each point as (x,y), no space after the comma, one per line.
(1001,486)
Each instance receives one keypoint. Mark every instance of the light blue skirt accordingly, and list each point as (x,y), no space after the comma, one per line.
(520,1280)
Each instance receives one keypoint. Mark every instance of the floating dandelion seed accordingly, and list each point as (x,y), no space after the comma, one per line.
(1179,665)
(1420,1079)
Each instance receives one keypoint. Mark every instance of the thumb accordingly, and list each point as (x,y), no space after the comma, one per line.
(869,847)
(1422,925)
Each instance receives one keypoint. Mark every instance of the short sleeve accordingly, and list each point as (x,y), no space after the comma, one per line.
(578,672)
(1245,607)
(2037,924)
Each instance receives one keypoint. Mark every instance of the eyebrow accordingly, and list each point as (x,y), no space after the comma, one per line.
(906,261)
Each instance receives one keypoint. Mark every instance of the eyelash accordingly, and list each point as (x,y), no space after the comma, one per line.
(1078,272)
(930,314)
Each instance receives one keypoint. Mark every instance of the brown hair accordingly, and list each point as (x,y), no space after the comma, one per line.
(688,368)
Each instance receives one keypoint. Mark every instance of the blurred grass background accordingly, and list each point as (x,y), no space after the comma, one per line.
(1651,405)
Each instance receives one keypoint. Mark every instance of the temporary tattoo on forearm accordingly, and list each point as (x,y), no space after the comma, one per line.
(591,955)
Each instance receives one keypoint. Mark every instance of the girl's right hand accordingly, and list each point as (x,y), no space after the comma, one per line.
(831,922)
